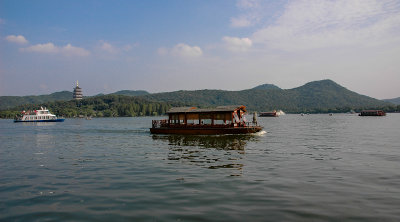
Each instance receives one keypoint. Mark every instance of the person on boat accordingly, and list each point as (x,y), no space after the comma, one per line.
(255,118)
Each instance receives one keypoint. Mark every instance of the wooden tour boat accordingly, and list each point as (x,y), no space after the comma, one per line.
(271,114)
(372,113)
(268,114)
(219,120)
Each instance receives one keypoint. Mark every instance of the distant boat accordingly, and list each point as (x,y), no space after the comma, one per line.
(41,115)
(271,114)
(372,113)
(219,120)
(268,114)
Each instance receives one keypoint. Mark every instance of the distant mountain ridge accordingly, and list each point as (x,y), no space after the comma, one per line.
(316,96)
(395,101)
(7,102)
(131,92)
(266,86)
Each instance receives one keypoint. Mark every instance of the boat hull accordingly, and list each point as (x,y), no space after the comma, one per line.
(45,120)
(205,131)
(266,114)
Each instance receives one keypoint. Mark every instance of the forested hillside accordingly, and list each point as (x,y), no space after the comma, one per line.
(394,101)
(318,96)
(7,102)
(131,92)
(99,106)
(314,97)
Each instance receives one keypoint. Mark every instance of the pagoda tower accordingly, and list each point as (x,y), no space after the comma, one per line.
(78,92)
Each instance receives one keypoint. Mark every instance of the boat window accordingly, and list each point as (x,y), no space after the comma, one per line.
(206,121)
(219,122)
(193,121)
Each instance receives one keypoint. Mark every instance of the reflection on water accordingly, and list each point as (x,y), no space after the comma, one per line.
(310,168)
(224,142)
(44,140)
(212,152)
(38,123)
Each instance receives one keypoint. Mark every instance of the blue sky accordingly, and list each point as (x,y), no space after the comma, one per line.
(168,45)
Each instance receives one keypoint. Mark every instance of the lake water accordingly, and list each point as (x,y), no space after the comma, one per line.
(303,168)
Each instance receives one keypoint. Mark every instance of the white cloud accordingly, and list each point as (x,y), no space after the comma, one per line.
(70,50)
(50,48)
(319,23)
(236,44)
(105,46)
(182,50)
(42,48)
(113,49)
(19,39)
(252,12)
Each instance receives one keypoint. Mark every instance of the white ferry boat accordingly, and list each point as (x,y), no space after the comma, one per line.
(41,115)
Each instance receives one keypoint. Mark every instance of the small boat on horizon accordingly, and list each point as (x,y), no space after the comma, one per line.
(272,114)
(41,115)
(213,121)
(372,113)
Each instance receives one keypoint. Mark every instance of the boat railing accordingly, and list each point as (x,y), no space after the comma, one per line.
(251,124)
(165,123)
(160,123)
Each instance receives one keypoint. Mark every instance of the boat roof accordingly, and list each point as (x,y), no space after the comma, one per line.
(230,108)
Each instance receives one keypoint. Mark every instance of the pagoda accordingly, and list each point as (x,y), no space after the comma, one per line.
(78,92)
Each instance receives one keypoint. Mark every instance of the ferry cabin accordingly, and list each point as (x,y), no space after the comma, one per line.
(372,113)
(42,115)
(35,117)
(211,117)
(219,120)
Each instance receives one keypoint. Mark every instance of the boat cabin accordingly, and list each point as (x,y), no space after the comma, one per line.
(372,113)
(193,119)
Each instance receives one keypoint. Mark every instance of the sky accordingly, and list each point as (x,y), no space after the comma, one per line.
(169,45)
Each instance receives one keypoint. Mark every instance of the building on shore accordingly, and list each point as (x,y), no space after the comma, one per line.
(77,92)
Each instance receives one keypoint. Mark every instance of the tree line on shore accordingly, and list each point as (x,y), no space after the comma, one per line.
(128,106)
(323,96)
(99,106)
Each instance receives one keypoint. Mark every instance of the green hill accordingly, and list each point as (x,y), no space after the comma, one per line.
(99,106)
(267,86)
(318,96)
(395,101)
(7,102)
(131,92)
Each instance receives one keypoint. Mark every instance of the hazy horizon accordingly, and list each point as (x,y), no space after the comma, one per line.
(163,46)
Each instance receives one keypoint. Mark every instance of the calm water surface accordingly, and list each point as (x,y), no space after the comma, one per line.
(303,168)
